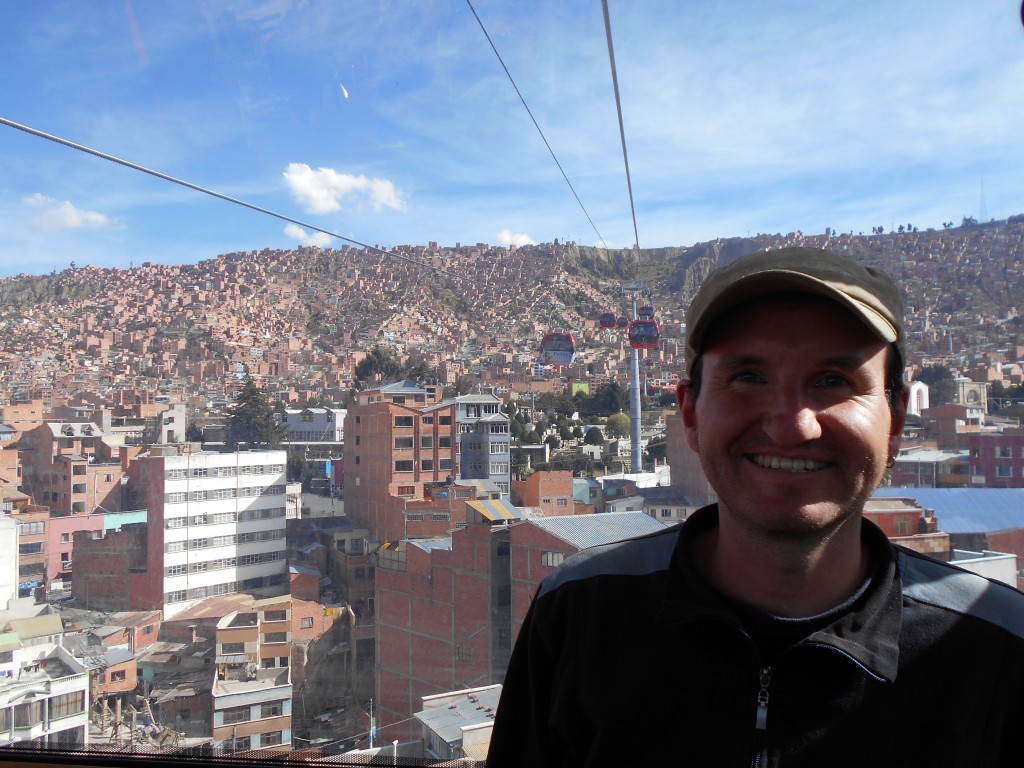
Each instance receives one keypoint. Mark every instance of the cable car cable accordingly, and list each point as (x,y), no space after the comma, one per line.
(136,167)
(622,130)
(535,124)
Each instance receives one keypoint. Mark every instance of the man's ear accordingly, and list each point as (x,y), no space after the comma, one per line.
(899,418)
(688,410)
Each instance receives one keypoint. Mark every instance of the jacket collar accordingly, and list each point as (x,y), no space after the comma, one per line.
(867,633)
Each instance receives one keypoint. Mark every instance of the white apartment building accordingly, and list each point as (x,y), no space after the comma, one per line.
(43,689)
(217,523)
(314,425)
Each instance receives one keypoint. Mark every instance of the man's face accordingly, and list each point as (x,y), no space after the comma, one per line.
(791,423)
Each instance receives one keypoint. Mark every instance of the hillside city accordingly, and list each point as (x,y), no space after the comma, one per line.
(297,502)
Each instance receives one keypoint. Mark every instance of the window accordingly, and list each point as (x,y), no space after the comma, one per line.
(270,739)
(444,421)
(444,464)
(403,443)
(403,421)
(273,709)
(427,465)
(118,676)
(1003,471)
(239,743)
(307,622)
(404,465)
(275,637)
(67,704)
(407,490)
(561,502)
(30,528)
(551,559)
(426,441)
(236,715)
(428,419)
(1004,452)
(275,616)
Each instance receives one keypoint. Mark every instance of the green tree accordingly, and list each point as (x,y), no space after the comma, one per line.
(617,425)
(594,437)
(193,434)
(941,385)
(252,421)
(553,442)
(379,362)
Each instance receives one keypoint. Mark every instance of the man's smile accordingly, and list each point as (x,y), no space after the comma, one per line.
(786,464)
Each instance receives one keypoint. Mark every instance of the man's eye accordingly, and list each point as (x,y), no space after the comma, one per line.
(833,380)
(747,377)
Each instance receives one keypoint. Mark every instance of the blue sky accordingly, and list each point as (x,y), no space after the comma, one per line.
(393,123)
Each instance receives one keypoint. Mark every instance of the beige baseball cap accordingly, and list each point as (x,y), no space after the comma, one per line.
(869,293)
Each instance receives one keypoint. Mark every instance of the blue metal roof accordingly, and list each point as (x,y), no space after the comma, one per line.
(968,510)
(584,531)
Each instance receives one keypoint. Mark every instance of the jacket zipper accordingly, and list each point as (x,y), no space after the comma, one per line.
(760,757)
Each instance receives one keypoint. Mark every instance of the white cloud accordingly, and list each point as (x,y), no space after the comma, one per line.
(507,237)
(325,189)
(61,214)
(307,238)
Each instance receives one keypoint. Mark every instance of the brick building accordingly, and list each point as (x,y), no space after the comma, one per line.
(405,446)
(449,608)
(997,458)
(72,467)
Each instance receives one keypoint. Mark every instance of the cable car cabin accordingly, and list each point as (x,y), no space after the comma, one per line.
(606,320)
(644,334)
(622,322)
(558,348)
(645,313)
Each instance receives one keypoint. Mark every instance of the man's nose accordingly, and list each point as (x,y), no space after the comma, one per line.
(790,420)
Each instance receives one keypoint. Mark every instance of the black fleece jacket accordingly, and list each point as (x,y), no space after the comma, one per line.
(628,657)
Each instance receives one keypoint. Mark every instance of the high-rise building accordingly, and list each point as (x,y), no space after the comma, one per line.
(216,525)
(406,445)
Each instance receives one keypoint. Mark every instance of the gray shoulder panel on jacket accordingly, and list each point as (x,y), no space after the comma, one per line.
(945,586)
(632,557)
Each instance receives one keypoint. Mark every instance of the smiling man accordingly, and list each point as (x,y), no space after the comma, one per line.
(776,627)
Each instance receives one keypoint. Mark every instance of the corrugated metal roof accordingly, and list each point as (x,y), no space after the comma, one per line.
(474,707)
(232,658)
(428,545)
(496,509)
(968,510)
(583,531)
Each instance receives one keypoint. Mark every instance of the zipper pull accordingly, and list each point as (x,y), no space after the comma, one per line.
(764,680)
(760,756)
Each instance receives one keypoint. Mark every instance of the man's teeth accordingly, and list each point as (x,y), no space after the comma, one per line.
(789,465)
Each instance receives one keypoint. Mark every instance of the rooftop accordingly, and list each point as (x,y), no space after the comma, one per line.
(583,531)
